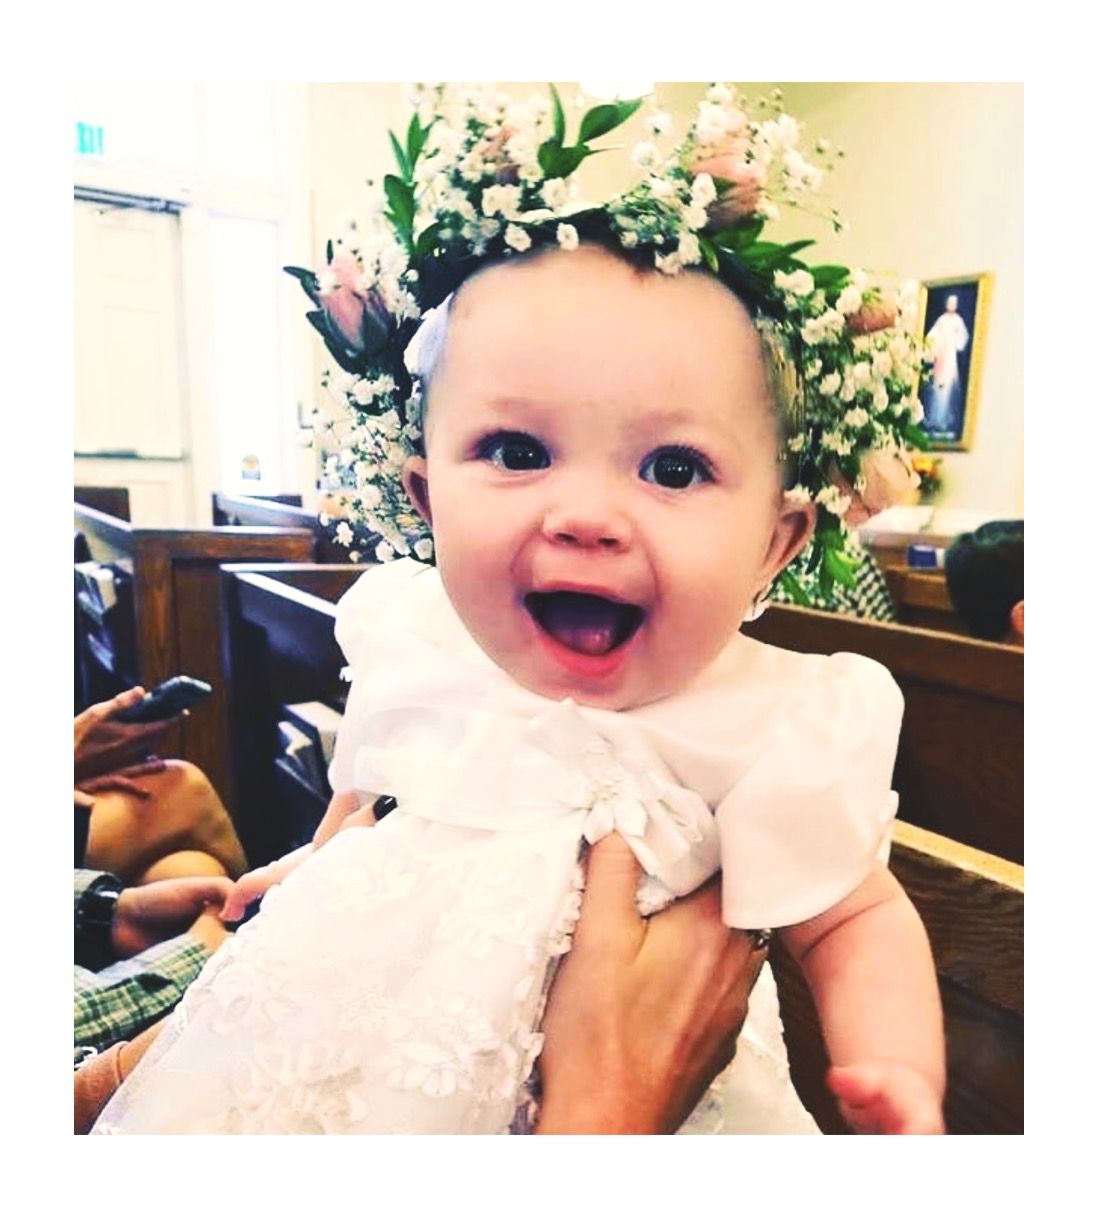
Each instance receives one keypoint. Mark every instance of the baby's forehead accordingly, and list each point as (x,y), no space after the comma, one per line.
(583,324)
(545,293)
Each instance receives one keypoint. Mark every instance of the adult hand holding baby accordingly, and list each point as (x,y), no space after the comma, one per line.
(643,1013)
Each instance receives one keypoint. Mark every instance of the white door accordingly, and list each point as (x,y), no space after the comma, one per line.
(130,407)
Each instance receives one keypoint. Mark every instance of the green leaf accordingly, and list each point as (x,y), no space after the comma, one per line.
(916,437)
(417,137)
(709,253)
(306,278)
(560,162)
(402,203)
(401,159)
(768,255)
(740,236)
(558,115)
(828,277)
(425,242)
(547,154)
(795,247)
(602,119)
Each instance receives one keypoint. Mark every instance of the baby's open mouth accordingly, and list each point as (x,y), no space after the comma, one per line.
(591,625)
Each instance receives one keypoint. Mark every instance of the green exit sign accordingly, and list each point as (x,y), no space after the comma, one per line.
(89,139)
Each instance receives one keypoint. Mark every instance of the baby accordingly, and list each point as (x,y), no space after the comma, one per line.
(602,474)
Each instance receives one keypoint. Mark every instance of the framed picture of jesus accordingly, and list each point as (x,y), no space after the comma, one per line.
(953,328)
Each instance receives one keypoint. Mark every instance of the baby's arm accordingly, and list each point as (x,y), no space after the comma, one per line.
(346,809)
(868,963)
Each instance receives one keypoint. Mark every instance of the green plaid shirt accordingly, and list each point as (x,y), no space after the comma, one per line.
(868,597)
(124,998)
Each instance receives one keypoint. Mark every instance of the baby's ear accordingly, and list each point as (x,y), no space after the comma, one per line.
(792,532)
(414,478)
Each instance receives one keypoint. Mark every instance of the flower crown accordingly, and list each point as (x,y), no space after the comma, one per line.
(483,177)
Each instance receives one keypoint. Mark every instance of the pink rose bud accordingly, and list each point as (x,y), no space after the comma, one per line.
(359,319)
(493,152)
(889,478)
(739,184)
(876,315)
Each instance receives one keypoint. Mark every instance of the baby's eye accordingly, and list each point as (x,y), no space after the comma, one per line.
(676,468)
(513,451)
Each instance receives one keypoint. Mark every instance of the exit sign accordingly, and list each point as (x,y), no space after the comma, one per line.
(89,139)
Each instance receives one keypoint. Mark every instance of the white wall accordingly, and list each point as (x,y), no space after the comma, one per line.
(931,183)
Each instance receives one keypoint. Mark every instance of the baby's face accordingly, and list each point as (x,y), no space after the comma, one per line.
(601,475)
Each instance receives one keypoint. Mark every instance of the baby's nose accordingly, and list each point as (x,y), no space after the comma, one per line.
(588,513)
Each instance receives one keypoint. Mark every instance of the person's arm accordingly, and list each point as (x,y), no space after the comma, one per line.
(643,1013)
(868,963)
(346,810)
(158,935)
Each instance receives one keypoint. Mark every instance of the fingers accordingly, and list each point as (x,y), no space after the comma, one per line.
(856,1084)
(247,889)
(609,920)
(120,701)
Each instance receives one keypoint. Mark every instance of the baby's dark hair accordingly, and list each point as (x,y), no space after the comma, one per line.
(983,570)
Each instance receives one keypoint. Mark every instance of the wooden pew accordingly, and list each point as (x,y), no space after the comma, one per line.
(278,642)
(173,577)
(114,500)
(239,509)
(972,905)
(922,599)
(959,764)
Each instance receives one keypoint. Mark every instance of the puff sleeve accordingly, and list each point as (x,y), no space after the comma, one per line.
(360,622)
(812,814)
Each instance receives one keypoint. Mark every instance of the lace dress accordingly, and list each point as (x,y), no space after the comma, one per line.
(395,982)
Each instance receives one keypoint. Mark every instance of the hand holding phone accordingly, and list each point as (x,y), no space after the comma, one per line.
(166,701)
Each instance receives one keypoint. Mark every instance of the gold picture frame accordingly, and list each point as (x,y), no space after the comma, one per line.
(953,316)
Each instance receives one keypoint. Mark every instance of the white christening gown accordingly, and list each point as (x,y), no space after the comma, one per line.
(395,982)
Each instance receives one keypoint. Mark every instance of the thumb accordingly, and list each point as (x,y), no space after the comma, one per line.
(609,916)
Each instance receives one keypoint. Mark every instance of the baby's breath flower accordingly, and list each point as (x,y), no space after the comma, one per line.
(517,238)
(689,249)
(554,193)
(850,300)
(833,499)
(645,155)
(658,122)
(797,283)
(567,237)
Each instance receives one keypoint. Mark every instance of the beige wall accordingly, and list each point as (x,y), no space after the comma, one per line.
(931,183)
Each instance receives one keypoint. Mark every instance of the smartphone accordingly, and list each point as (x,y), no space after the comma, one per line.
(166,700)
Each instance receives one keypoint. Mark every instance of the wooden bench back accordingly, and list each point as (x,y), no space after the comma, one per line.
(279,644)
(173,626)
(113,500)
(239,509)
(960,758)
(972,905)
